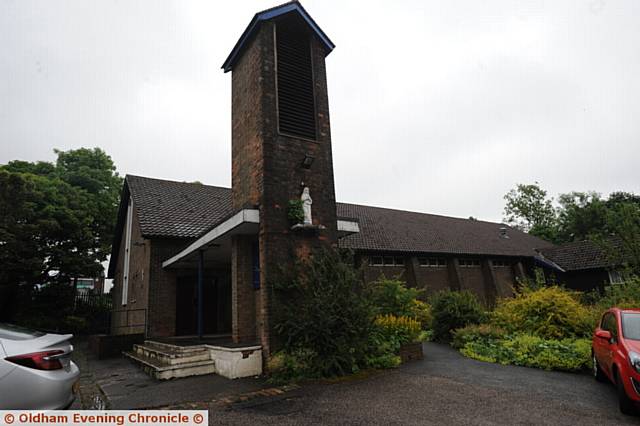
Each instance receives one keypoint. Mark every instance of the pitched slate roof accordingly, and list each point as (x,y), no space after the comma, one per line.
(187,210)
(396,230)
(177,209)
(578,255)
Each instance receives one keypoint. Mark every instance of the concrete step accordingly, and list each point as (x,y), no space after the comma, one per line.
(175,348)
(173,355)
(161,371)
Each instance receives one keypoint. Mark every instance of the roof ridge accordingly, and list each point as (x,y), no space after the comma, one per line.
(423,213)
(176,181)
(338,202)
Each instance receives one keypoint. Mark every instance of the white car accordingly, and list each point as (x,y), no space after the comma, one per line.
(36,371)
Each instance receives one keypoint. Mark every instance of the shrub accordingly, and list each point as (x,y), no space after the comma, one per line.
(421,311)
(549,312)
(295,213)
(533,351)
(322,308)
(401,329)
(624,295)
(292,366)
(452,310)
(476,333)
(75,325)
(392,296)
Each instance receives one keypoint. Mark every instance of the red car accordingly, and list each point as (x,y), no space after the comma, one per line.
(616,354)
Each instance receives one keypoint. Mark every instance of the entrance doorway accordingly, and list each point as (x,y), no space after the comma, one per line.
(216,305)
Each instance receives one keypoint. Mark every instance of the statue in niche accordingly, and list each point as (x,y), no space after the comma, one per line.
(306,205)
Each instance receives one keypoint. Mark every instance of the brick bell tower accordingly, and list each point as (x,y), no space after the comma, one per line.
(281,143)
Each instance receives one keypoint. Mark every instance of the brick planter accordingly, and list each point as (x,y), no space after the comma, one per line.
(411,352)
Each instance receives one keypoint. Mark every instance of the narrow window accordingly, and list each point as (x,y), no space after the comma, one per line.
(615,277)
(296,103)
(127,253)
(375,261)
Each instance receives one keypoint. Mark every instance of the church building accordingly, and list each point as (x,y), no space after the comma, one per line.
(190,259)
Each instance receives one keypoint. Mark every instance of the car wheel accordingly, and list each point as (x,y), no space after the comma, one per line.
(598,374)
(626,405)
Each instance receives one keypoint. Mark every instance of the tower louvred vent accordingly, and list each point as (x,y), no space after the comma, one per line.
(296,107)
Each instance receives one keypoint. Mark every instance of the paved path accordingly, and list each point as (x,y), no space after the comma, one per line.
(445,388)
(122,385)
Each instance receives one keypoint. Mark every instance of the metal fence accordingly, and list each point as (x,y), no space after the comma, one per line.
(96,308)
(94,300)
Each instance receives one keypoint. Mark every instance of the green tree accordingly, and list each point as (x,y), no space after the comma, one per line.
(581,215)
(621,242)
(528,209)
(56,221)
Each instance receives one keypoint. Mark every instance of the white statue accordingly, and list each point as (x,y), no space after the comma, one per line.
(306,205)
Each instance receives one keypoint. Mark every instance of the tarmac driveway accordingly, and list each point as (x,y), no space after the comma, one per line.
(444,388)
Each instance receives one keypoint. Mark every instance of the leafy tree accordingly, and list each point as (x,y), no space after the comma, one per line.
(56,221)
(621,242)
(529,210)
(581,215)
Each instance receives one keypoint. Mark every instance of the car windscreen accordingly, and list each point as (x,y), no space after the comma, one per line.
(631,325)
(14,332)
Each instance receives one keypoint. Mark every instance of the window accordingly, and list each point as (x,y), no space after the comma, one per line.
(500,263)
(615,277)
(127,253)
(631,326)
(609,324)
(432,262)
(376,261)
(469,263)
(386,261)
(296,101)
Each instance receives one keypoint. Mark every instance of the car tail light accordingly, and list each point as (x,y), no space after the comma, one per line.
(48,360)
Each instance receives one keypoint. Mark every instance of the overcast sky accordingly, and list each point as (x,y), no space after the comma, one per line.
(436,106)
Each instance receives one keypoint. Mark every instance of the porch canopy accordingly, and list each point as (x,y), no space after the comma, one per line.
(215,245)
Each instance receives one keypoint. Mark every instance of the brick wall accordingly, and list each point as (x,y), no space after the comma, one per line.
(505,281)
(267,172)
(130,317)
(432,279)
(162,291)
(243,299)
(487,281)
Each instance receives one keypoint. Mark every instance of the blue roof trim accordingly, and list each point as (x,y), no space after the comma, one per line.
(268,14)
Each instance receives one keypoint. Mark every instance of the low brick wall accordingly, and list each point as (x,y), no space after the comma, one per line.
(110,346)
(411,352)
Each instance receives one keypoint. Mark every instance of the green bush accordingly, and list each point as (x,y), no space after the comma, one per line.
(532,351)
(383,349)
(392,296)
(421,311)
(624,295)
(400,329)
(295,212)
(476,333)
(452,310)
(75,325)
(549,312)
(292,366)
(321,308)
